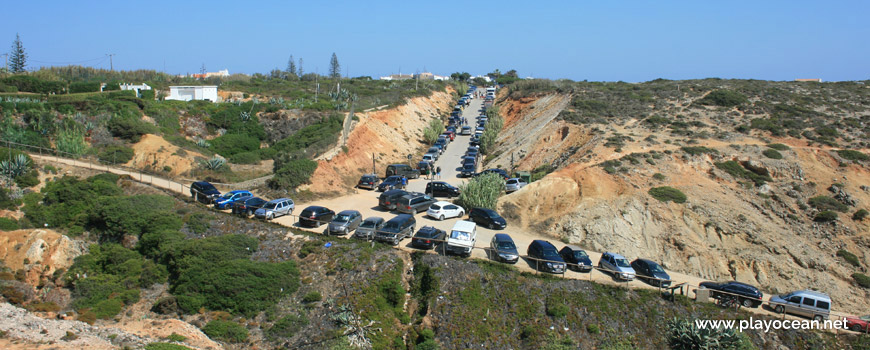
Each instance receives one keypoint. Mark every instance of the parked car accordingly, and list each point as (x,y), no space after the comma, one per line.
(475,140)
(651,272)
(424,166)
(545,257)
(462,237)
(468,170)
(314,216)
(429,157)
(226,200)
(502,248)
(469,160)
(442,142)
(402,169)
(427,237)
(441,189)
(344,222)
(391,182)
(500,172)
(487,218)
(466,130)
(389,199)
(414,202)
(204,192)
(748,295)
(616,265)
(445,210)
(449,135)
(472,152)
(397,229)
(479,130)
(275,208)
(514,184)
(369,181)
(435,150)
(246,207)
(368,227)
(858,324)
(805,303)
(576,258)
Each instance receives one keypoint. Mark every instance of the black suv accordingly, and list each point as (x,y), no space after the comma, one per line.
(441,189)
(428,237)
(748,295)
(500,172)
(369,181)
(390,183)
(487,218)
(414,202)
(315,216)
(651,273)
(577,258)
(204,192)
(402,169)
(247,206)
(397,229)
(468,170)
(389,199)
(545,257)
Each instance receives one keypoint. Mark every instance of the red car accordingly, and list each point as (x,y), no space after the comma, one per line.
(858,324)
(451,134)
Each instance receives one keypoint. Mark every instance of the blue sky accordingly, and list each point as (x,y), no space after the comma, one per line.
(591,40)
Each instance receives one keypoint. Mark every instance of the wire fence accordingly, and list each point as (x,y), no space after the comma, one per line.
(669,288)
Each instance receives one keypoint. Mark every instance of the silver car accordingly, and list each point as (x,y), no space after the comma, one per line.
(514,184)
(344,222)
(806,303)
(368,227)
(275,208)
(616,265)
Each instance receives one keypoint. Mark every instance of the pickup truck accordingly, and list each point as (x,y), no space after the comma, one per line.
(462,238)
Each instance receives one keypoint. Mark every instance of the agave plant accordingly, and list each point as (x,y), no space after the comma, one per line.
(203,143)
(14,167)
(215,163)
(245,116)
(354,327)
(683,334)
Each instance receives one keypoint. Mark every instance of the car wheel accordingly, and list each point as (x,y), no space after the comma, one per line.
(270,216)
(414,211)
(249,213)
(747,303)
(441,218)
(856,328)
(818,318)
(779,309)
(396,241)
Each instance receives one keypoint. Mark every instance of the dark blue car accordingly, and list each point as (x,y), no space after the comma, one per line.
(576,258)
(227,199)
(204,192)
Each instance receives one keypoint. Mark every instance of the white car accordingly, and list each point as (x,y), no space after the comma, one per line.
(430,157)
(514,184)
(443,210)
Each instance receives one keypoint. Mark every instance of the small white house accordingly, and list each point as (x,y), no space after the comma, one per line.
(198,92)
(137,88)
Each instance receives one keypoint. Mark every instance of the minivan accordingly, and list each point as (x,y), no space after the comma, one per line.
(389,199)
(397,229)
(414,202)
(275,208)
(805,303)
(204,192)
(402,170)
(616,265)
(545,257)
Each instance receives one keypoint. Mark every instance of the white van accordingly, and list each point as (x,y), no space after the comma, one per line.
(462,237)
(805,303)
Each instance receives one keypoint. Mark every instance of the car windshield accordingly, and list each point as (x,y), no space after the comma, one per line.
(506,245)
(551,254)
(391,225)
(622,263)
(228,195)
(270,205)
(368,178)
(369,224)
(435,207)
(580,254)
(460,235)
(342,218)
(865,318)
(491,214)
(511,182)
(656,268)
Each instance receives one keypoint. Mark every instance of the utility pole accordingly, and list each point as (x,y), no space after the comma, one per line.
(111,66)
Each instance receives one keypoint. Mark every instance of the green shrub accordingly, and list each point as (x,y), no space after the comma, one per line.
(556,308)
(724,98)
(252,157)
(134,215)
(667,194)
(165,346)
(292,173)
(684,335)
(176,337)
(481,192)
(772,154)
(129,128)
(825,216)
(310,297)
(779,147)
(852,155)
(736,170)
(827,203)
(393,292)
(861,279)
(7,224)
(860,215)
(231,144)
(696,150)
(286,327)
(28,179)
(659,176)
(433,130)
(227,331)
(849,257)
(108,308)
(115,155)
(71,140)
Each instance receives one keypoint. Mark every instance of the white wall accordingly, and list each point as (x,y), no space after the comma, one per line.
(188,93)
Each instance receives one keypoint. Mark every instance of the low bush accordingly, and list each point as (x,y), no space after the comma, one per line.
(696,150)
(232,144)
(286,327)
(860,215)
(481,192)
(825,216)
(827,203)
(667,194)
(779,147)
(556,308)
(852,155)
(849,257)
(723,98)
(176,337)
(7,224)
(659,176)
(684,335)
(129,128)
(252,157)
(292,173)
(862,279)
(736,170)
(227,331)
(772,154)
(28,179)
(432,131)
(165,346)
(310,297)
(115,155)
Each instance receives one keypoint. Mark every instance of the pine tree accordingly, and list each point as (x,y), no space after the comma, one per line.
(334,67)
(300,72)
(19,58)
(291,65)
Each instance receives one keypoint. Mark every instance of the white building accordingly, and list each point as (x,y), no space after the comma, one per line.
(137,88)
(198,92)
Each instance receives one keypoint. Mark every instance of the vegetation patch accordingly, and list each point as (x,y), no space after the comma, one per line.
(227,331)
(860,215)
(481,192)
(825,216)
(286,327)
(697,150)
(827,203)
(772,154)
(737,170)
(862,279)
(779,147)
(723,98)
(853,155)
(667,194)
(849,257)
(165,346)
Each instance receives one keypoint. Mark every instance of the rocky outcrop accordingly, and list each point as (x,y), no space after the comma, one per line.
(39,252)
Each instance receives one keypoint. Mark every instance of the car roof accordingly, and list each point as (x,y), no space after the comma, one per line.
(348,212)
(442,203)
(741,284)
(374,218)
(402,217)
(203,183)
(812,293)
(394,191)
(503,237)
(314,207)
(647,261)
(573,247)
(464,226)
(485,210)
(616,255)
(279,200)
(543,243)
(239,191)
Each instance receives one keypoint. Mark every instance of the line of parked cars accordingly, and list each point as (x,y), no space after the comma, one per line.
(241,202)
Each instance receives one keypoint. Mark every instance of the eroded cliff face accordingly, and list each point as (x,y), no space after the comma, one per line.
(388,134)
(727,229)
(39,253)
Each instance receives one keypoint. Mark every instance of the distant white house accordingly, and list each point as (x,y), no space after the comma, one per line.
(137,88)
(197,92)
